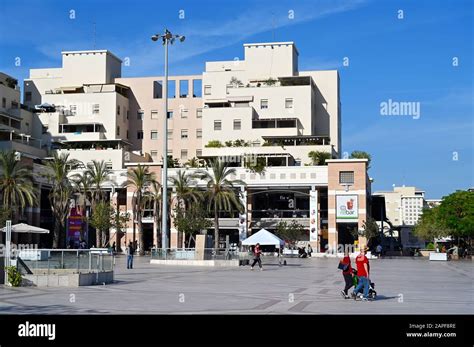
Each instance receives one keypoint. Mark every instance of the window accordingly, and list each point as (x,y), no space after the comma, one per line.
(199,113)
(207,90)
(124,113)
(157,89)
(14,105)
(198,152)
(170,134)
(27,96)
(171,89)
(128,113)
(183,88)
(118,110)
(170,114)
(154,155)
(73,109)
(95,108)
(4,102)
(154,114)
(108,165)
(198,133)
(118,131)
(128,135)
(184,113)
(288,103)
(184,154)
(154,135)
(346,177)
(237,124)
(140,114)
(263,104)
(140,135)
(217,125)
(197,88)
(184,134)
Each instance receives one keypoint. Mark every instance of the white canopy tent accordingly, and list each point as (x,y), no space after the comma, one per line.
(264,238)
(26,228)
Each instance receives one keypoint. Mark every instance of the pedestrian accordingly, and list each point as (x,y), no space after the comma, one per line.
(256,257)
(347,274)
(363,273)
(130,251)
(309,250)
(378,250)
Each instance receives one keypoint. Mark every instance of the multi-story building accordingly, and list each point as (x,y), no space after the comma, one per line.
(404,206)
(20,131)
(261,107)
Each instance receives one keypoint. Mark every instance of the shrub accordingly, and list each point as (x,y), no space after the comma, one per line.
(430,246)
(14,276)
(214,144)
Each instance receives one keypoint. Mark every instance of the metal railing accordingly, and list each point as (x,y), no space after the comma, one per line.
(197,254)
(51,261)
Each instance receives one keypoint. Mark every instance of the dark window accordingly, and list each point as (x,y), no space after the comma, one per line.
(346,177)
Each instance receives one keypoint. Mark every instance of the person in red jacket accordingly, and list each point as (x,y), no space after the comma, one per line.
(363,273)
(256,253)
(347,274)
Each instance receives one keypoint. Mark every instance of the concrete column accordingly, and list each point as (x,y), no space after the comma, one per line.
(243,226)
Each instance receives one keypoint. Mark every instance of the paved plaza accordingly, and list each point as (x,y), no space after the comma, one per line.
(304,286)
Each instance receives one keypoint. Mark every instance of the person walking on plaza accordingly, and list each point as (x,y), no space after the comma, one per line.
(130,251)
(256,254)
(347,274)
(309,250)
(363,273)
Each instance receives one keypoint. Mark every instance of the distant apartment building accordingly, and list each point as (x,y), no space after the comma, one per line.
(403,208)
(262,107)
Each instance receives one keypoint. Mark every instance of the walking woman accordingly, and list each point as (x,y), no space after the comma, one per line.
(256,253)
(347,274)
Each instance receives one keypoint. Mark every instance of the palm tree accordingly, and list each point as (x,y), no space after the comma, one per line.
(194,163)
(83,184)
(59,170)
(140,178)
(16,184)
(99,174)
(319,158)
(221,192)
(185,193)
(153,197)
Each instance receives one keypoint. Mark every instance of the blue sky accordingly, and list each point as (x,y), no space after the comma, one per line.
(405,60)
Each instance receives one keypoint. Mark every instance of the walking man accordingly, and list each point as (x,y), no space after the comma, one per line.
(363,273)
(130,251)
(256,253)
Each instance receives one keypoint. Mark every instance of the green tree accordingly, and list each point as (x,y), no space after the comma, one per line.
(430,225)
(456,213)
(104,218)
(370,230)
(185,192)
(319,158)
(361,155)
(16,184)
(191,220)
(140,179)
(173,162)
(221,192)
(290,232)
(58,174)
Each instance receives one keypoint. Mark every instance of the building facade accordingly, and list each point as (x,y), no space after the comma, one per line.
(261,109)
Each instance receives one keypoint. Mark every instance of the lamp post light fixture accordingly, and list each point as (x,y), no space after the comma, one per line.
(167,39)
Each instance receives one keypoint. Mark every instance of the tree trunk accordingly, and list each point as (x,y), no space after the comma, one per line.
(141,235)
(57,230)
(216,228)
(98,240)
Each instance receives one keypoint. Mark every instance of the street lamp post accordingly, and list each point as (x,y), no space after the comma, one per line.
(167,38)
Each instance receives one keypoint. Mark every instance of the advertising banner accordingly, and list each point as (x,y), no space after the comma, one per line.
(313,215)
(74,227)
(347,207)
